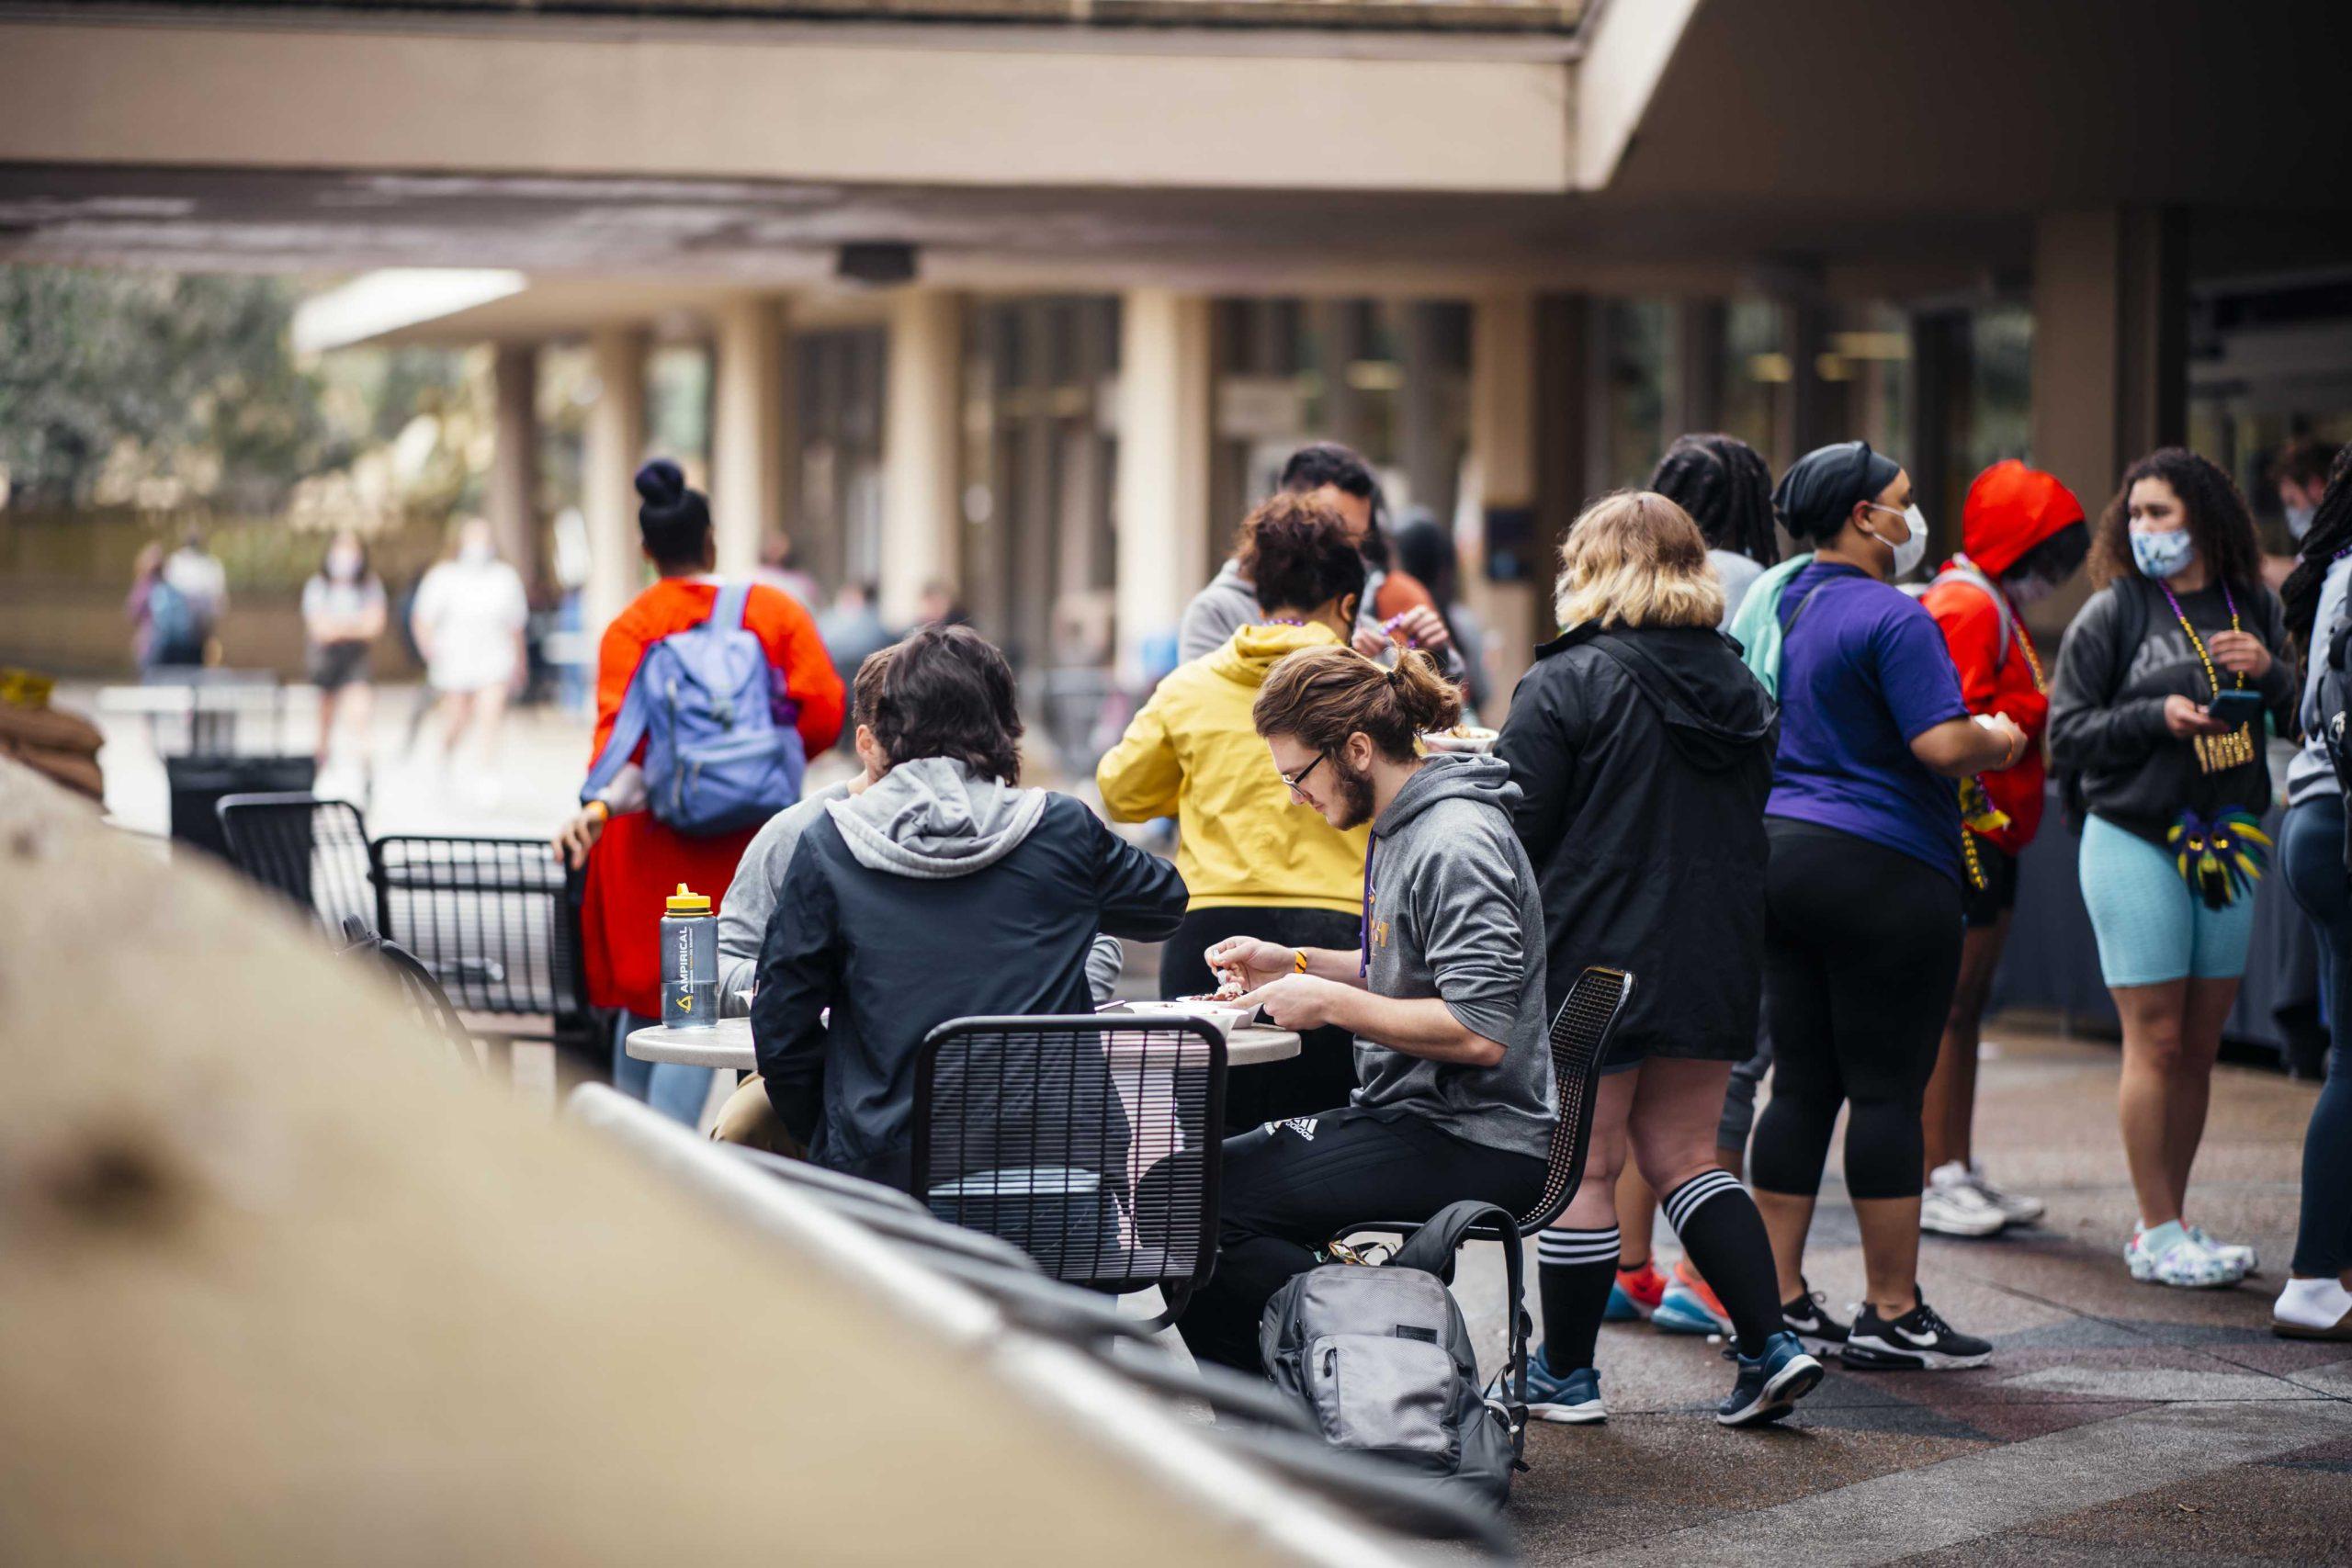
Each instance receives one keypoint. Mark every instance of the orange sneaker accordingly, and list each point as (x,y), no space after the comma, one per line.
(1635,1294)
(1688,1306)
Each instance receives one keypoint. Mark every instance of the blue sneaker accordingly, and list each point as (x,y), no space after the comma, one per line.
(1571,1398)
(1771,1384)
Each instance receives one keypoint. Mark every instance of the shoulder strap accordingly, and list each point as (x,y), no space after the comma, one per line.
(1963,569)
(2131,622)
(1431,1248)
(727,610)
(628,728)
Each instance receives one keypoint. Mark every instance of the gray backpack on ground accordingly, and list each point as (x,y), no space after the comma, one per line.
(1382,1361)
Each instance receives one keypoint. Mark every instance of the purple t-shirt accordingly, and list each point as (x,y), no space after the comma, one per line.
(1863,674)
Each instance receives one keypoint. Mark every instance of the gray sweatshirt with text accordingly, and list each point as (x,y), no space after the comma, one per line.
(1455,913)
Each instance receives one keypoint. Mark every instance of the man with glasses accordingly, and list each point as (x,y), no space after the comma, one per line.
(1443,992)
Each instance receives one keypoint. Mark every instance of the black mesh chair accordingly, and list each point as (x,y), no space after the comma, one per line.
(1089,1141)
(1580,1035)
(496,921)
(314,852)
(427,1003)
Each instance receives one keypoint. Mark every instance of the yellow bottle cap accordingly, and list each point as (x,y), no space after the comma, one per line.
(685,903)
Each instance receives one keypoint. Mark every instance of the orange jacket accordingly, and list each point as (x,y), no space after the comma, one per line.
(638,861)
(2011,509)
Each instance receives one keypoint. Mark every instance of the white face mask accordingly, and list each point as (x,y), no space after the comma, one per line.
(1911,551)
(2298,520)
(474,552)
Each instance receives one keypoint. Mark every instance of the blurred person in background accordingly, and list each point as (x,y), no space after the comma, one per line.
(2170,792)
(195,574)
(1862,900)
(139,606)
(779,568)
(2300,471)
(938,607)
(1253,865)
(2024,535)
(633,860)
(342,614)
(1338,478)
(1726,488)
(1425,552)
(1642,747)
(2316,1302)
(468,619)
(852,632)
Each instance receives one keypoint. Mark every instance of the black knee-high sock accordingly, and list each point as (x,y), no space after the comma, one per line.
(1724,1238)
(1573,1272)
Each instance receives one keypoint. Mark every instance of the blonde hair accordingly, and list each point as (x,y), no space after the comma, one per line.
(1635,558)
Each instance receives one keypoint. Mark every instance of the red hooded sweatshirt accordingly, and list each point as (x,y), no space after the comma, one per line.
(2011,509)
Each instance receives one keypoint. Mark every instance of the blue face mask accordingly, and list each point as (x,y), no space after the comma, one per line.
(2160,555)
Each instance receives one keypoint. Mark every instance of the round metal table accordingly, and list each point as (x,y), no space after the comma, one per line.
(727,1044)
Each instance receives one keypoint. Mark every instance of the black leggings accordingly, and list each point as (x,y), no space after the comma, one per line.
(1291,1187)
(1861,950)
(1323,1073)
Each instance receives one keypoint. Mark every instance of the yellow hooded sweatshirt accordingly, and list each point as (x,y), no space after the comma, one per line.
(1193,754)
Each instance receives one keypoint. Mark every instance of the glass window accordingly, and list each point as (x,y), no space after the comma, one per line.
(1757,376)
(1639,376)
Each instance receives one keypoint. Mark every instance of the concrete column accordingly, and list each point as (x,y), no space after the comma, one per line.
(511,496)
(612,445)
(748,438)
(1500,484)
(921,447)
(1161,504)
(2109,342)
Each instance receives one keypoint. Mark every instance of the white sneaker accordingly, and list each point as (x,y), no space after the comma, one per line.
(2016,1210)
(1949,1206)
(2236,1252)
(2170,1256)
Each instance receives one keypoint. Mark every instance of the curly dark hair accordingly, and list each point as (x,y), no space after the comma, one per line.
(2330,535)
(1726,488)
(2219,524)
(1296,555)
(946,692)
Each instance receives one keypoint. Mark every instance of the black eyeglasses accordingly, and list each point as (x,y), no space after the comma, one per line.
(1294,780)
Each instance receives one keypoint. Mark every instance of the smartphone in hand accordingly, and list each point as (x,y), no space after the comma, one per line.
(2236,706)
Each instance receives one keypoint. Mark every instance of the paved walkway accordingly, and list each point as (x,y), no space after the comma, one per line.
(2117,1422)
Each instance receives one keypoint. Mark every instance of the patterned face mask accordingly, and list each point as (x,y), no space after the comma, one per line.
(2161,555)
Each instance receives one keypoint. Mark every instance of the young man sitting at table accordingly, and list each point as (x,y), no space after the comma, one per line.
(748,1117)
(1445,997)
(942,890)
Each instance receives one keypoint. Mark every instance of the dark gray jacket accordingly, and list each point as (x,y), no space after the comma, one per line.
(1456,912)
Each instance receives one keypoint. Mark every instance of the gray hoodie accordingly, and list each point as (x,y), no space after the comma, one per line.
(759,878)
(933,818)
(1456,912)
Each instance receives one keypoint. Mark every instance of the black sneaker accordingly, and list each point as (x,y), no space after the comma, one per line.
(1771,1384)
(1917,1341)
(1809,1320)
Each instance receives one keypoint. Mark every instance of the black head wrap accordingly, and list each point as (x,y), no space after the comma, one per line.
(1820,488)
(672,517)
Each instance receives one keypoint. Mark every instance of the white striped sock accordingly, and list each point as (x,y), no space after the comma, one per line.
(1572,1249)
(1684,1201)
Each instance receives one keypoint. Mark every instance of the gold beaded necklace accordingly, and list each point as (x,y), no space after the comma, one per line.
(2215,753)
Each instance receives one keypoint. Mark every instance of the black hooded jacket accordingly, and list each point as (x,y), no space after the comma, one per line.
(1643,757)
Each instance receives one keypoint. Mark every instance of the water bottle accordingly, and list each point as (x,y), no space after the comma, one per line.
(689,962)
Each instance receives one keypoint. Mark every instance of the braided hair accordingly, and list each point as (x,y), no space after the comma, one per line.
(1725,486)
(2330,535)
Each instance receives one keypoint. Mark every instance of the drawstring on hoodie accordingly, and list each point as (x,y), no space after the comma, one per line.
(1364,962)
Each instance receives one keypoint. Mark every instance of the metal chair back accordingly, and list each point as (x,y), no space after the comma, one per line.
(314,852)
(1580,1035)
(496,921)
(426,1000)
(1089,1142)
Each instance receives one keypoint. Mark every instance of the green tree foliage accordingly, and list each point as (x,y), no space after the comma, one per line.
(186,382)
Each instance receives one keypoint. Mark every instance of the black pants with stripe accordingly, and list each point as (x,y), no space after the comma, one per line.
(1290,1187)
